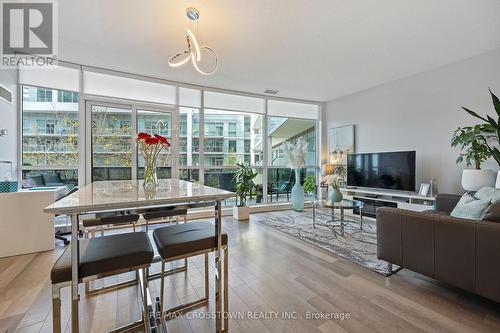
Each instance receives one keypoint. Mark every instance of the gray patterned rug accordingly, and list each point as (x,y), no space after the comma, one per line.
(358,246)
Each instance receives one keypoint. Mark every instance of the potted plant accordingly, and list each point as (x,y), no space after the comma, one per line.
(296,157)
(243,177)
(478,143)
(309,185)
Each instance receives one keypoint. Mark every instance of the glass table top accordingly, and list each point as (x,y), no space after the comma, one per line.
(345,203)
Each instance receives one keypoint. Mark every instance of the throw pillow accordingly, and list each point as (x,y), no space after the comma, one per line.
(492,213)
(470,208)
(488,192)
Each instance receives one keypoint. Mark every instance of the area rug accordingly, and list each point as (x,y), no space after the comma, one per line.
(356,245)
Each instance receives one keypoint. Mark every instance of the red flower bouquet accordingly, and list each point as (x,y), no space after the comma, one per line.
(150,147)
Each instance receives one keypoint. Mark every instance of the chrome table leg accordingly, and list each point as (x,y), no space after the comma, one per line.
(75,260)
(218,267)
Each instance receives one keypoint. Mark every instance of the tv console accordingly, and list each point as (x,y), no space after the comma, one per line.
(375,198)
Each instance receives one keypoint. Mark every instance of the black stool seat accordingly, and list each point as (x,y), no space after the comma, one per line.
(181,239)
(101,255)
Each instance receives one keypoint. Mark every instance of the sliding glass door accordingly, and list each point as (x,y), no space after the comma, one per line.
(154,122)
(111,142)
(111,150)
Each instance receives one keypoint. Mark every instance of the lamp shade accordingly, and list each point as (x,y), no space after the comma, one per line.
(327,169)
(473,180)
(498,180)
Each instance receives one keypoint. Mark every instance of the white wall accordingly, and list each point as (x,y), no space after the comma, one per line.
(420,113)
(8,119)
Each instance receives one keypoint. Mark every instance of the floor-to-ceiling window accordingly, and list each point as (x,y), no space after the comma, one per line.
(189,134)
(211,132)
(232,135)
(154,122)
(111,142)
(49,136)
(287,123)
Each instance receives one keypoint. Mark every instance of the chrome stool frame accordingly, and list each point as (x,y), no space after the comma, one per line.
(183,308)
(56,288)
(99,224)
(158,215)
(56,299)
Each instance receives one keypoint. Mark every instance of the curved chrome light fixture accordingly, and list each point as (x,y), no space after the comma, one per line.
(193,51)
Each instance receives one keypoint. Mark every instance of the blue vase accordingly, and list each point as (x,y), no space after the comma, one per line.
(297,193)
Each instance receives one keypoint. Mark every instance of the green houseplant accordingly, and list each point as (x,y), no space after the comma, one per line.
(474,150)
(309,185)
(490,129)
(477,144)
(243,177)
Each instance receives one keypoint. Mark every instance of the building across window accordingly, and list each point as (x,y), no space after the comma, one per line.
(67,96)
(44,95)
(49,136)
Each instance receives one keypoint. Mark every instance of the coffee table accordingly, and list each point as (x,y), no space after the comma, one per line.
(342,206)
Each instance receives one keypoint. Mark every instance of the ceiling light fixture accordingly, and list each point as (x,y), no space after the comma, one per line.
(194,49)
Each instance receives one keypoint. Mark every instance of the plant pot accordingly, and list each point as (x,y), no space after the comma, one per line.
(473,180)
(497,185)
(241,213)
(297,193)
(334,195)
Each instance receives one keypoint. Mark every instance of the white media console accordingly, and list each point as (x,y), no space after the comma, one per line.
(375,198)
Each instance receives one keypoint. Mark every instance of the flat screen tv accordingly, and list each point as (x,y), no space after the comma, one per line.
(394,171)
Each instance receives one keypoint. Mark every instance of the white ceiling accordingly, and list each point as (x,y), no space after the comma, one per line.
(308,49)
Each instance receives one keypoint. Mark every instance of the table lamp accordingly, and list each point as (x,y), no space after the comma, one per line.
(327,169)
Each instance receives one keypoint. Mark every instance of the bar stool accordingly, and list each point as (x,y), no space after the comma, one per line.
(107,221)
(183,241)
(164,215)
(104,221)
(103,257)
(161,216)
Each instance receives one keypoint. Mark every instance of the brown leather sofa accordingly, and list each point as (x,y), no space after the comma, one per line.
(461,252)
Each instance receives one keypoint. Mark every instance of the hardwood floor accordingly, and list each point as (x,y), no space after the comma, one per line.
(271,275)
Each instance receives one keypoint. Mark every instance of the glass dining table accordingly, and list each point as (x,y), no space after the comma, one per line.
(333,221)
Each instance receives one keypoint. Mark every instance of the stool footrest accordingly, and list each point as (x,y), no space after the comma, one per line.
(183,308)
(112,287)
(128,327)
(168,272)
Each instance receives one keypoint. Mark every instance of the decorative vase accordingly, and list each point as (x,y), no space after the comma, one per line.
(297,193)
(150,177)
(473,180)
(334,195)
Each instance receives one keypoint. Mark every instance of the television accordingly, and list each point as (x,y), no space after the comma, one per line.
(393,170)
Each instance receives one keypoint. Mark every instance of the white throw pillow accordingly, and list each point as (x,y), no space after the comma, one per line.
(470,208)
(488,192)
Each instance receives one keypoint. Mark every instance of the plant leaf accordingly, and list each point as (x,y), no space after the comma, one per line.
(496,102)
(472,113)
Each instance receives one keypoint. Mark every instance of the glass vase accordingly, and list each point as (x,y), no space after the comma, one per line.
(297,193)
(150,177)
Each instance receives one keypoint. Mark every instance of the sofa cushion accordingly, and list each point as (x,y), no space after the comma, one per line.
(470,208)
(37,180)
(488,192)
(52,179)
(492,214)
